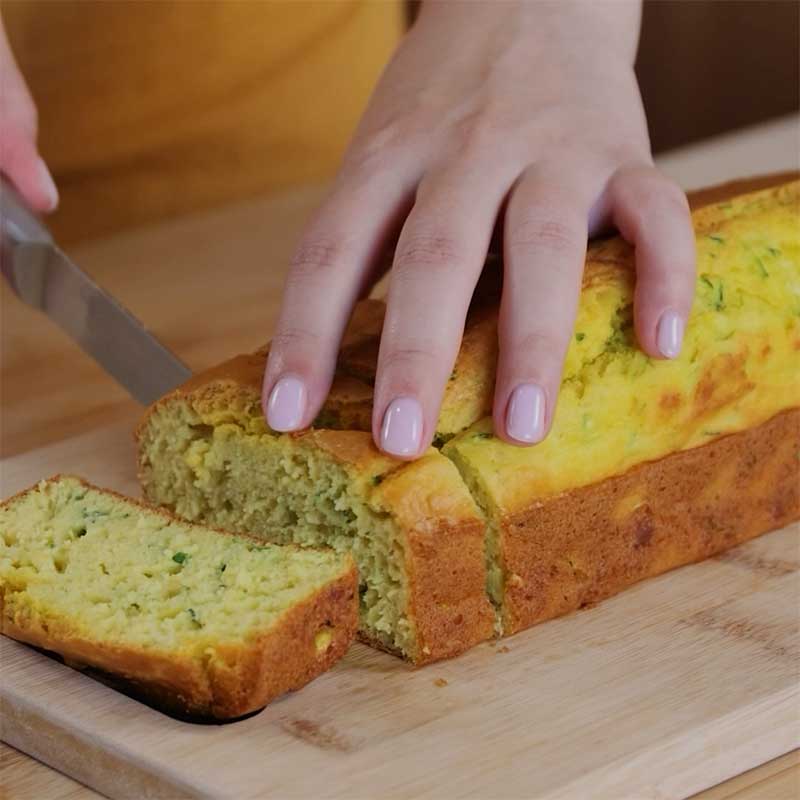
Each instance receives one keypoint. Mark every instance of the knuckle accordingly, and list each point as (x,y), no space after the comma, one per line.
(645,191)
(427,252)
(658,197)
(541,346)
(377,148)
(315,257)
(544,232)
(672,194)
(408,359)
(366,160)
(480,130)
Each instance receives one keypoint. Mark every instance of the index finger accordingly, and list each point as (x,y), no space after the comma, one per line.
(324,281)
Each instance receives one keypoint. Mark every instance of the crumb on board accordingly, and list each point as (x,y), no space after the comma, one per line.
(440,682)
(503,649)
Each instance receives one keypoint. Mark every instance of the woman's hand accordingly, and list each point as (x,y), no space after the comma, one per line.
(20,161)
(525,110)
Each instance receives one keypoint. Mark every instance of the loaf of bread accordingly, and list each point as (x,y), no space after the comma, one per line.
(201,622)
(650,464)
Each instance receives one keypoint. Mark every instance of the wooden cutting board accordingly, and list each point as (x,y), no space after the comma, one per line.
(677,684)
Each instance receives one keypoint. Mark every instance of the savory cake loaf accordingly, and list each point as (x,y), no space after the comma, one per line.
(202,622)
(649,465)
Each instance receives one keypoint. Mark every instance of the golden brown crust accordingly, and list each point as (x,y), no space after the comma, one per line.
(286,657)
(235,384)
(586,544)
(235,680)
(698,198)
(443,536)
(468,396)
(445,562)
(447,597)
(353,448)
(348,406)
(179,680)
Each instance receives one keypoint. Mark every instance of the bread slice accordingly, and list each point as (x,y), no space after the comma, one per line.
(203,622)
(414,530)
(650,463)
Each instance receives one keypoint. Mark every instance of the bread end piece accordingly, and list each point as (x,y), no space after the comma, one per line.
(653,518)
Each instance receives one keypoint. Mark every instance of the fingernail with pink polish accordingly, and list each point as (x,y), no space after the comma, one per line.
(47,185)
(401,432)
(526,413)
(669,334)
(287,404)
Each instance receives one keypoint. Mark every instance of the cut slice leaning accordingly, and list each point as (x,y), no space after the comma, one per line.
(203,622)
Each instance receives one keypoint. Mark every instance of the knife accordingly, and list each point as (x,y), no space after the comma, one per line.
(43,276)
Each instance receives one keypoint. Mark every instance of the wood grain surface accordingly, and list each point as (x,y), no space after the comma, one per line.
(151,109)
(666,689)
(24,778)
(209,285)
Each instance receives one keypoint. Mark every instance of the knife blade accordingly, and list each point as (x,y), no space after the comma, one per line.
(44,277)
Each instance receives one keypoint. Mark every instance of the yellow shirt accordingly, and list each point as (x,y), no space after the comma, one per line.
(153,109)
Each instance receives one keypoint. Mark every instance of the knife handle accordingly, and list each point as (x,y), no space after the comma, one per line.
(25,245)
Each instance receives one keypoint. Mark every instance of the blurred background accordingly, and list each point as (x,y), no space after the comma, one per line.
(155,109)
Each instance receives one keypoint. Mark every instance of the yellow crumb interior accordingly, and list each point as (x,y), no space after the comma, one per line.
(106,569)
(278,487)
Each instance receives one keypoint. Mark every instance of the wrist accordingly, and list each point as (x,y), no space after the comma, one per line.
(564,29)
